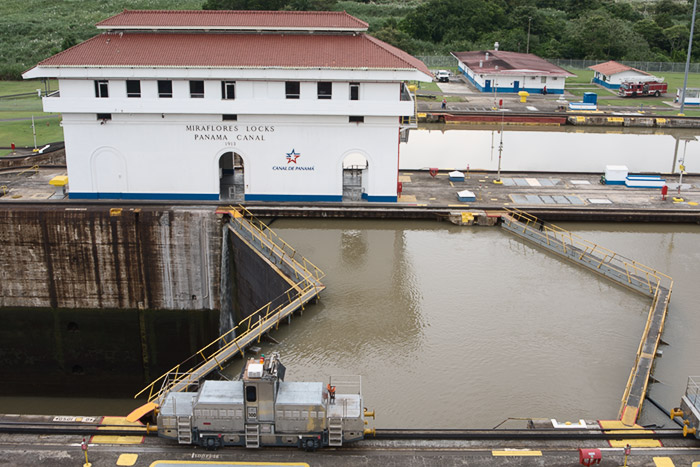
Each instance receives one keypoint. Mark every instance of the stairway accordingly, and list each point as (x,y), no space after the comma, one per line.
(184,430)
(335,431)
(252,436)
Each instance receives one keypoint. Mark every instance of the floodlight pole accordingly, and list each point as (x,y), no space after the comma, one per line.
(687,61)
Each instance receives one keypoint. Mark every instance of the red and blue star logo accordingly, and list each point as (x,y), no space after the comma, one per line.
(292,156)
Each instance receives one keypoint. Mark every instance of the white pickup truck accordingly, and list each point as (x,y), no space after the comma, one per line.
(443,76)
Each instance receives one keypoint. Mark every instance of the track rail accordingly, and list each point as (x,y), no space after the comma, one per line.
(49,428)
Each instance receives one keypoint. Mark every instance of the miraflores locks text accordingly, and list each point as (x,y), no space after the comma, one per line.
(211,132)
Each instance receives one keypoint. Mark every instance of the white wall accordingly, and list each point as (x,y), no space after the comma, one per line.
(252,97)
(180,154)
(629,75)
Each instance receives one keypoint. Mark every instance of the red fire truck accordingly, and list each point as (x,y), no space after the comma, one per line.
(642,88)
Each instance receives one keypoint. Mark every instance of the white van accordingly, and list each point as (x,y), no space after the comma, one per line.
(443,76)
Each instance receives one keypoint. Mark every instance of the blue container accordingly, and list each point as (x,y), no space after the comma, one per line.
(590,98)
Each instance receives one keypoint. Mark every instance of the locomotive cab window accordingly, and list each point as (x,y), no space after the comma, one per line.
(251,394)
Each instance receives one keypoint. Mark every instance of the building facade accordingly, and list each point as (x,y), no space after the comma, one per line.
(612,74)
(499,71)
(209,105)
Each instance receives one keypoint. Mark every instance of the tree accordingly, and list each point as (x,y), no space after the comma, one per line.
(464,19)
(297,5)
(598,36)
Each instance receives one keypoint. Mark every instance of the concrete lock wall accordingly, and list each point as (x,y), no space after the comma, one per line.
(92,297)
(95,257)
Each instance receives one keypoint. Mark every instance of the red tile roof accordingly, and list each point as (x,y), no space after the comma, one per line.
(612,67)
(509,63)
(235,51)
(227,19)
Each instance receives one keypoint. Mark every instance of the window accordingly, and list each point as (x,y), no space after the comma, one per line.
(104,117)
(543,79)
(196,89)
(228,89)
(101,89)
(229,117)
(325,90)
(133,88)
(354,91)
(356,119)
(251,394)
(291,89)
(165,88)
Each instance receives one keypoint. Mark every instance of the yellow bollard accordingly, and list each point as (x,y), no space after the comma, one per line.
(84,447)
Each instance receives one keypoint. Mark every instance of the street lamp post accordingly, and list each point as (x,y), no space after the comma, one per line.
(687,61)
(529,20)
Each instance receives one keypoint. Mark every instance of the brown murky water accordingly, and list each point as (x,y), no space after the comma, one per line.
(465,327)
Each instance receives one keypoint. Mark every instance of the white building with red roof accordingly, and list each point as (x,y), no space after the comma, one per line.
(502,71)
(612,74)
(209,105)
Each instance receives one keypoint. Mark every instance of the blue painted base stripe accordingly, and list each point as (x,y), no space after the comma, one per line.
(379,199)
(605,84)
(513,90)
(146,196)
(329,198)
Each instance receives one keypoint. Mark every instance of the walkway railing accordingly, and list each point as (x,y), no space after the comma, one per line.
(616,267)
(187,375)
(619,269)
(279,251)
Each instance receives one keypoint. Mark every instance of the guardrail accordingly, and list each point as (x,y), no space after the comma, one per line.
(636,275)
(267,238)
(215,354)
(187,374)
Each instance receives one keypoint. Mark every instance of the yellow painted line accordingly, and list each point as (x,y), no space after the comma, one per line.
(407,199)
(405,178)
(516,452)
(127,459)
(166,463)
(121,424)
(616,119)
(458,205)
(635,443)
(663,462)
(111,439)
(432,199)
(452,185)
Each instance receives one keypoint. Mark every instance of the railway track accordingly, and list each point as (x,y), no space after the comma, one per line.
(58,428)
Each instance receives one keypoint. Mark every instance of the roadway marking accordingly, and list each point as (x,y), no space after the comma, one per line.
(164,463)
(127,459)
(516,452)
(116,439)
(663,462)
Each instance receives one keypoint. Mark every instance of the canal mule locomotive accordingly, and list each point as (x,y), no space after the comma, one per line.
(263,410)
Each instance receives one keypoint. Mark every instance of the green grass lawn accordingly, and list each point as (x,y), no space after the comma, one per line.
(47,131)
(20,87)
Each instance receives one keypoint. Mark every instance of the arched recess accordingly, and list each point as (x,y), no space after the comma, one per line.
(355,175)
(231,169)
(108,167)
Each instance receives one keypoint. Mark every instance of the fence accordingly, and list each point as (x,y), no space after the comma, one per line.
(448,61)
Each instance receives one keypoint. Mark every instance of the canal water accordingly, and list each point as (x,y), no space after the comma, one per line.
(467,326)
(464,327)
(550,149)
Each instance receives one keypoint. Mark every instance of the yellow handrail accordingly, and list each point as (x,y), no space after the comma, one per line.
(626,266)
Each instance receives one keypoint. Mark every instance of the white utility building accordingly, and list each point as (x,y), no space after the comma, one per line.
(209,105)
(612,74)
(501,71)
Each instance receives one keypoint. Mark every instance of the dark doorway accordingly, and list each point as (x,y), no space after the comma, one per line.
(231,177)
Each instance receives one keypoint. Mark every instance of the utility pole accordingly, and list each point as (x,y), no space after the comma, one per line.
(529,20)
(687,61)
